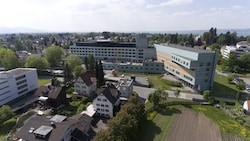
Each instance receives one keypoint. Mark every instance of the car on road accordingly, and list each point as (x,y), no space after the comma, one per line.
(247,87)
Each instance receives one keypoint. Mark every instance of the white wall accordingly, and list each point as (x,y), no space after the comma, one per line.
(107,105)
(9,86)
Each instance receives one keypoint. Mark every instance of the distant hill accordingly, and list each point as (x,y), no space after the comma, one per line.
(4,30)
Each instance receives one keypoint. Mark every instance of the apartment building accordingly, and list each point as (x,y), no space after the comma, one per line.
(116,52)
(17,82)
(194,67)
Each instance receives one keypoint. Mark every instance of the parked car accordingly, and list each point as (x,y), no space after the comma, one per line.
(247,87)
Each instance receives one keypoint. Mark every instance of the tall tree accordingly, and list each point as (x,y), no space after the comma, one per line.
(86,63)
(35,61)
(54,55)
(68,76)
(8,59)
(99,74)
(91,62)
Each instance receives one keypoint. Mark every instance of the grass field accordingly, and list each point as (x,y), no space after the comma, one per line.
(224,121)
(42,82)
(158,124)
(222,88)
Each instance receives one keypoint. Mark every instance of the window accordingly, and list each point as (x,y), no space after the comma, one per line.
(106,105)
(107,110)
(98,109)
(104,100)
(97,104)
(102,105)
(98,99)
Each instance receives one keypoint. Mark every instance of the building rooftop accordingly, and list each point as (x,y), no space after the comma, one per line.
(43,130)
(42,127)
(19,71)
(106,43)
(188,48)
(58,118)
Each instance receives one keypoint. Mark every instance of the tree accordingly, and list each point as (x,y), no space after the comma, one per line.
(5,113)
(206,95)
(8,59)
(124,126)
(78,70)
(230,78)
(35,61)
(241,85)
(157,96)
(73,61)
(19,45)
(54,55)
(177,92)
(244,62)
(191,40)
(91,62)
(99,74)
(68,76)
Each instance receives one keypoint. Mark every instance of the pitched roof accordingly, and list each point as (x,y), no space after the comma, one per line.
(87,77)
(110,92)
(58,130)
(49,91)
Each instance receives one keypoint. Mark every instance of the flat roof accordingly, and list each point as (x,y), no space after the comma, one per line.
(19,71)
(89,110)
(106,44)
(187,48)
(58,118)
(43,130)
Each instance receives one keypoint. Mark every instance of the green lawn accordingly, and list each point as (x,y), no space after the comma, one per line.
(157,125)
(222,88)
(42,82)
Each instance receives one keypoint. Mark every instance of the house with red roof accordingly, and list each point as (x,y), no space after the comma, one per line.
(51,95)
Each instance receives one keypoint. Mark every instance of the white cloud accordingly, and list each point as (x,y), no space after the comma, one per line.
(170,3)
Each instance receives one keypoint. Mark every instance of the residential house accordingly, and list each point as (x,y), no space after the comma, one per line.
(107,101)
(51,95)
(56,128)
(86,84)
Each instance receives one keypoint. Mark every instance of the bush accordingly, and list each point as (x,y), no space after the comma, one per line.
(70,90)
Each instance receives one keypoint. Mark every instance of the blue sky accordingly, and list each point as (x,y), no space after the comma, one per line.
(124,15)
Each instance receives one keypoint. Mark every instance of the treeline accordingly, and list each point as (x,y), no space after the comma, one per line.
(124,126)
(207,38)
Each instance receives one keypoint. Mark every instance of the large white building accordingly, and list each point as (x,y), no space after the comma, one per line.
(108,50)
(17,82)
(241,48)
